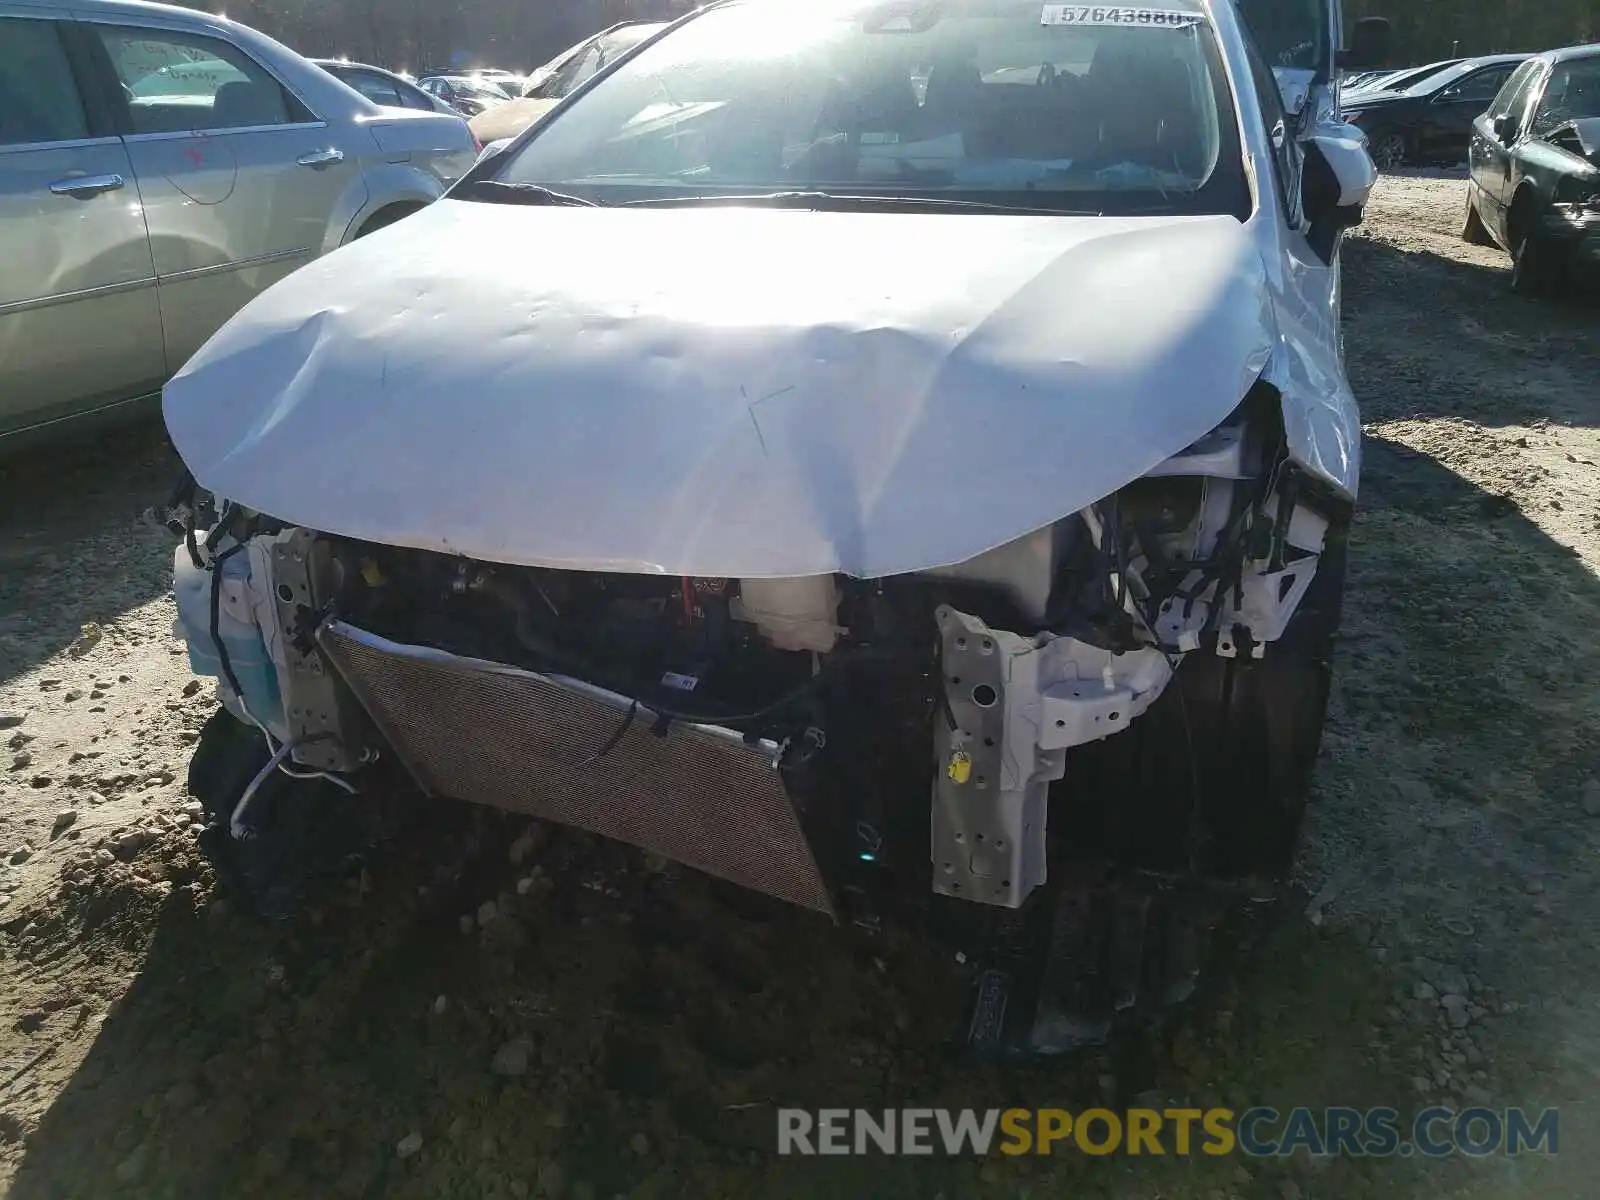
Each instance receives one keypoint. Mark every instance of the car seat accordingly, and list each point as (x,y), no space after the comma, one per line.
(244,103)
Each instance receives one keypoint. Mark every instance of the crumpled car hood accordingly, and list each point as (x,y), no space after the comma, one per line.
(723,392)
(1588,131)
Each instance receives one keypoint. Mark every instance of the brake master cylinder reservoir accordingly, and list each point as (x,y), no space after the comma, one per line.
(237,630)
(792,614)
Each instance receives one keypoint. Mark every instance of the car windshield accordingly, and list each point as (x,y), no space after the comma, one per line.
(1426,85)
(480,88)
(1573,92)
(630,36)
(1099,109)
(1399,81)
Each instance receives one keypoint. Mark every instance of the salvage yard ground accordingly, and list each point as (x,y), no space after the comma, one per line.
(488,1016)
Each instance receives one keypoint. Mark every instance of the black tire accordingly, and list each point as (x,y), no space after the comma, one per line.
(1536,272)
(1389,151)
(1213,780)
(1473,231)
(303,832)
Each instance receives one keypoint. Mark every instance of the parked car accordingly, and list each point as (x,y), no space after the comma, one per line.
(574,66)
(383,88)
(510,82)
(814,492)
(1351,80)
(1399,80)
(1429,121)
(467,95)
(539,74)
(160,167)
(1534,187)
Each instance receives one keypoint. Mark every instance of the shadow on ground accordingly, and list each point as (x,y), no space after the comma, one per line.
(1432,336)
(661,1031)
(72,546)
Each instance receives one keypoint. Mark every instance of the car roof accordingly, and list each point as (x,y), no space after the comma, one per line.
(136,9)
(1431,83)
(1568,53)
(350,62)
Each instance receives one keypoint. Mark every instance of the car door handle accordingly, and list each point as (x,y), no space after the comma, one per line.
(84,186)
(321,158)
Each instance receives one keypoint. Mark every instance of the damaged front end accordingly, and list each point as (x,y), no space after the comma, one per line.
(1047,752)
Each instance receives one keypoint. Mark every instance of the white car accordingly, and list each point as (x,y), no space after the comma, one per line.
(895,458)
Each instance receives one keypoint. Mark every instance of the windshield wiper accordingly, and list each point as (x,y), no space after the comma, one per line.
(497,192)
(844,202)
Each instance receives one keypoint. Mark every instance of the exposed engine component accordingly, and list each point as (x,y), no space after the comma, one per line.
(567,751)
(792,614)
(783,734)
(1025,570)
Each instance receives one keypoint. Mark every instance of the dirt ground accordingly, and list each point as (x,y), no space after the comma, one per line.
(612,1028)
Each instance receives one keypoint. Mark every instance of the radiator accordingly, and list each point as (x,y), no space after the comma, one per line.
(512,739)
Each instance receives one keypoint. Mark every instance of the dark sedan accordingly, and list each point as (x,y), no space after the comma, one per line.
(1398,80)
(1430,121)
(468,95)
(1535,180)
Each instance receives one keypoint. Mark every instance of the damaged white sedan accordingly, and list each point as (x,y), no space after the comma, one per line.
(893,456)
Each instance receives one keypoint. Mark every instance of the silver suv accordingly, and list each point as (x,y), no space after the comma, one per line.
(159,168)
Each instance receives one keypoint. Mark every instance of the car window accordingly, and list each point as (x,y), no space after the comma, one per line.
(414,98)
(39,99)
(177,81)
(968,96)
(1285,161)
(1572,94)
(577,69)
(479,89)
(1482,86)
(1428,81)
(1290,33)
(374,87)
(1511,97)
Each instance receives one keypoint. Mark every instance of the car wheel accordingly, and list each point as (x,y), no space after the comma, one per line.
(1214,778)
(1172,839)
(1389,151)
(1535,270)
(302,834)
(1473,231)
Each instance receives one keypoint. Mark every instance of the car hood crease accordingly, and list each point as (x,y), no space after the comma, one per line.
(723,392)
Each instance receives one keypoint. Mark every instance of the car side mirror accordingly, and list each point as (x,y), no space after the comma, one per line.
(1505,129)
(1448,95)
(1336,183)
(1369,44)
